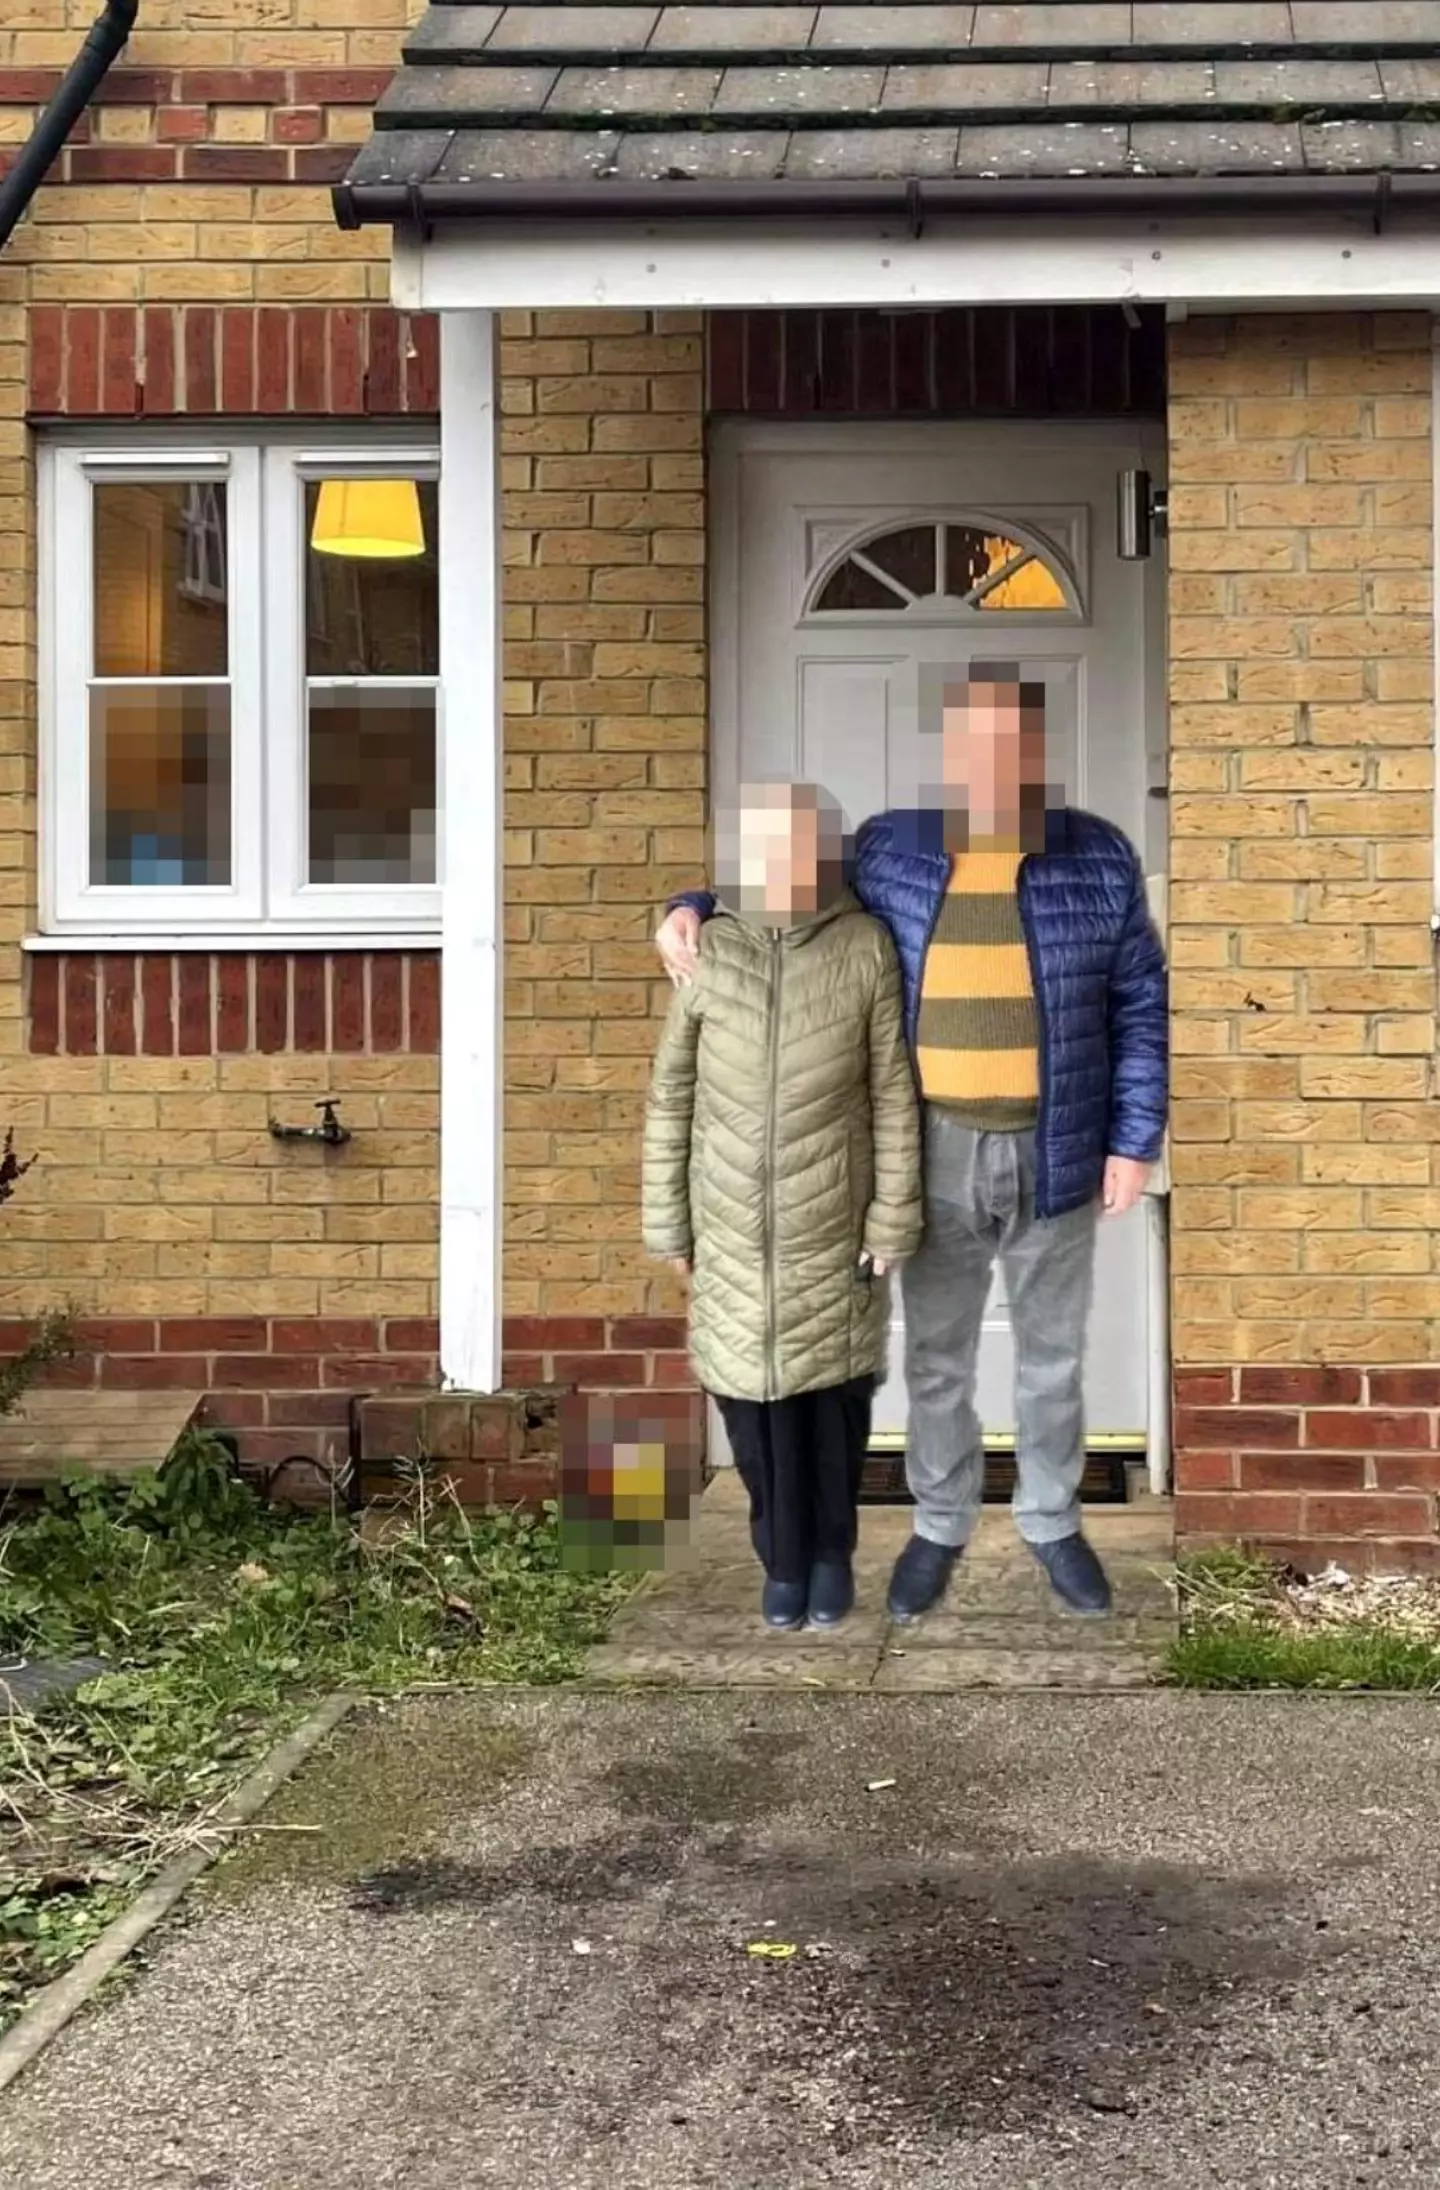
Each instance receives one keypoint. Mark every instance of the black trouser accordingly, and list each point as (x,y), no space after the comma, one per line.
(801,1459)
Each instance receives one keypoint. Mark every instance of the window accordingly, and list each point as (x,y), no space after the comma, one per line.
(960,565)
(241,666)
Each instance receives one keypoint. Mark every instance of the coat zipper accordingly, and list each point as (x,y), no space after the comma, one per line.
(1042,1167)
(772,1213)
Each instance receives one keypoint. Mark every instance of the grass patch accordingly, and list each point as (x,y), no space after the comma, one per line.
(222,1621)
(1248,1624)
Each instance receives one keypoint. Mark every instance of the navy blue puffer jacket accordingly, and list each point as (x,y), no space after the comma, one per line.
(1098,971)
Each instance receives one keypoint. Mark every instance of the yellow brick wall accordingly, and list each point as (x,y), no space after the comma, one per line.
(1307,1141)
(158,1192)
(605,760)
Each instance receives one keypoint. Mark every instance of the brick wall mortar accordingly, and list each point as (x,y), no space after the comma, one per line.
(221,286)
(605,799)
(183,260)
(1306,1154)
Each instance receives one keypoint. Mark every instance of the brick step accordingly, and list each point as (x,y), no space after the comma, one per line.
(492,1448)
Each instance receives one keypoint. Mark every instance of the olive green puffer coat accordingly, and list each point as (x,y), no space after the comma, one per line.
(782,1143)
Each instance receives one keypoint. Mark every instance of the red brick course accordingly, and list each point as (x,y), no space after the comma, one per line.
(1311,1463)
(197,1003)
(597,1353)
(1063,361)
(171,360)
(282,1385)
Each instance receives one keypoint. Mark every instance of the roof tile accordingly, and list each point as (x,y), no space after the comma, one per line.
(1046,148)
(552,155)
(554,30)
(1216,148)
(422,92)
(1297,83)
(442,32)
(871,155)
(1373,22)
(964,86)
(1222,23)
(1131,83)
(895,28)
(540,90)
(702,155)
(782,91)
(732,30)
(650,92)
(1053,27)
(1342,147)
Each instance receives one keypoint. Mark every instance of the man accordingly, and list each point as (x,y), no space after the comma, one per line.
(1037,1013)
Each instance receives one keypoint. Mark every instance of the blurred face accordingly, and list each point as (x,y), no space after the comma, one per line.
(993,753)
(788,852)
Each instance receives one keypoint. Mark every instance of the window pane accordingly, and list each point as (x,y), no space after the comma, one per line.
(970,557)
(1033,585)
(908,556)
(852,587)
(372,787)
(161,579)
(160,784)
(372,608)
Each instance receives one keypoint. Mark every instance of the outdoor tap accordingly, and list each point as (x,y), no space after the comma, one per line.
(329,1130)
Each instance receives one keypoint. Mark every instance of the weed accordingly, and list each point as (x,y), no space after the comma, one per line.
(1246,1623)
(220,1621)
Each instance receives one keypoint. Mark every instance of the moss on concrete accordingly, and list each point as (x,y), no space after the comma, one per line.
(383,1791)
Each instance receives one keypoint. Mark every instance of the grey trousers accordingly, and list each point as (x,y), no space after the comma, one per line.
(980,1205)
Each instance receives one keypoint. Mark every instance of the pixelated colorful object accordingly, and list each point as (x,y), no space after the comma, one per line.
(631,1468)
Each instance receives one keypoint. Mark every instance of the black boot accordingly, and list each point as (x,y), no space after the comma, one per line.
(832,1592)
(782,1604)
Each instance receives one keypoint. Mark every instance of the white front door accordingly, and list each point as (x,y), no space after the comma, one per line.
(853,567)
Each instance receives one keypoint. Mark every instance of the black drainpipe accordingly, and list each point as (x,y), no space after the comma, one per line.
(106,39)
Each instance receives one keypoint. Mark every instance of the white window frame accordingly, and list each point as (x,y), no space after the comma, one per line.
(293,898)
(269,900)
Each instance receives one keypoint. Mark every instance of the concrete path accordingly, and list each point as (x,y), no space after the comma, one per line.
(699,1626)
(1145,1940)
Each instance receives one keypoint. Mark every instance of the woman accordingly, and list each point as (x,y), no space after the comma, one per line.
(782,1176)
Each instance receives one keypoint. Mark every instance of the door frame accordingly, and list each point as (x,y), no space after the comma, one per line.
(729,441)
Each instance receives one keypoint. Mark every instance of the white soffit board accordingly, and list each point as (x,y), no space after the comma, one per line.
(686,265)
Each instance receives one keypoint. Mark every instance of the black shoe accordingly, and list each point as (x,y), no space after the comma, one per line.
(832,1592)
(1076,1575)
(783,1603)
(921,1578)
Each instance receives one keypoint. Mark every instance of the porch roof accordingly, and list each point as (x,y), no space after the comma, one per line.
(530,108)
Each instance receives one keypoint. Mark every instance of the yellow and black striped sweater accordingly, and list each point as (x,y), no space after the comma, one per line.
(979,1038)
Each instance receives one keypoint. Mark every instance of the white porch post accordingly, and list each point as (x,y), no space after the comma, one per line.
(471,863)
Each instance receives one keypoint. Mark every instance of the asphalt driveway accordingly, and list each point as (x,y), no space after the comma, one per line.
(1137,1939)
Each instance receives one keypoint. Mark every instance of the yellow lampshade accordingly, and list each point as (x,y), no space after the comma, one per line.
(377,518)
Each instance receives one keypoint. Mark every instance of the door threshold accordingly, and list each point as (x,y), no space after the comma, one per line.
(1105,1481)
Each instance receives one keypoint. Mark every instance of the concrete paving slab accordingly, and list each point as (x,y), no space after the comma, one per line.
(700,1623)
(1157,1941)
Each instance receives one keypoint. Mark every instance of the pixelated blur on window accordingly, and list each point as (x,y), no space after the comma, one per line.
(159,696)
(372,654)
